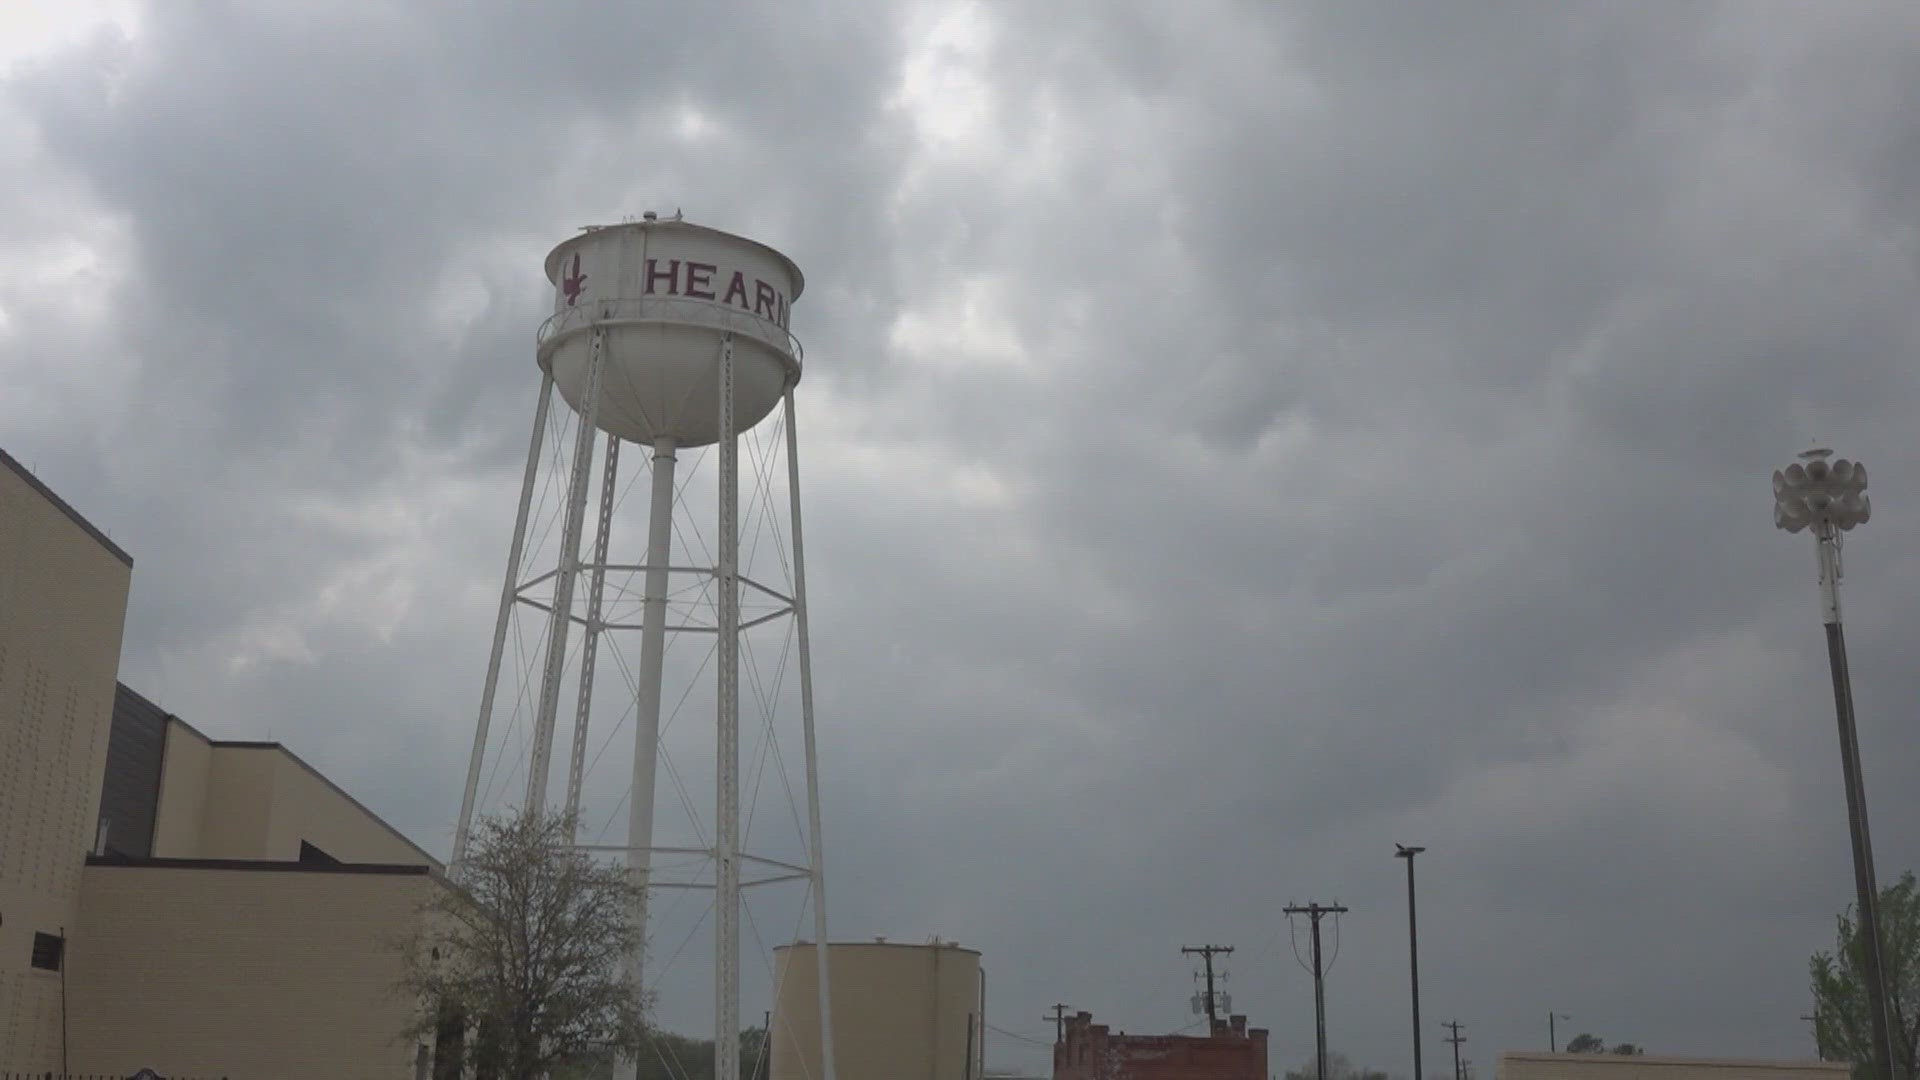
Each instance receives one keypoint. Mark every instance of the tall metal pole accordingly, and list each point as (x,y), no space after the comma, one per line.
(539,760)
(1866,887)
(509,595)
(726,1033)
(653,649)
(817,866)
(646,709)
(1830,497)
(1413,949)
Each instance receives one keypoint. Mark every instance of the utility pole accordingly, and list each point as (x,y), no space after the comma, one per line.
(1206,954)
(1456,1039)
(766,1040)
(1819,1051)
(1313,912)
(1059,1019)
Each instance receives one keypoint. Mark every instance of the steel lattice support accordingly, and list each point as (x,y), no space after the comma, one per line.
(816,863)
(509,593)
(590,645)
(538,761)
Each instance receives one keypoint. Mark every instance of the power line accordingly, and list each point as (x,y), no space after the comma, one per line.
(1018,1036)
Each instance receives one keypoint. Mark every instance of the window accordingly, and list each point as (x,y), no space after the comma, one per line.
(48,950)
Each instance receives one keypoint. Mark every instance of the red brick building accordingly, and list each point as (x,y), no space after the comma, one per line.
(1088,1051)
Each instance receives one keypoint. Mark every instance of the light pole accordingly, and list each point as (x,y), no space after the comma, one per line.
(1553,1037)
(1413,949)
(1829,499)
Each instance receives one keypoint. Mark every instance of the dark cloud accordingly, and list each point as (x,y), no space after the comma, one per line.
(1237,437)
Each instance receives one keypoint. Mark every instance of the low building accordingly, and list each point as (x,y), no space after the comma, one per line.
(1534,1065)
(1089,1051)
(168,901)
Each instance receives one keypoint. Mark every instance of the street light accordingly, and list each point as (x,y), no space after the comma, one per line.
(1829,499)
(1413,949)
(1553,1036)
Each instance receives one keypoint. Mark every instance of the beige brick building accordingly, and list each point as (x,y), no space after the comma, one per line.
(168,901)
(63,599)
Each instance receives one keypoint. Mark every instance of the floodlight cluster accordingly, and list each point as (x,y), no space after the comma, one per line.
(1821,494)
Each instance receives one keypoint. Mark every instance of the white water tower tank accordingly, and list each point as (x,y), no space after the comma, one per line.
(663,294)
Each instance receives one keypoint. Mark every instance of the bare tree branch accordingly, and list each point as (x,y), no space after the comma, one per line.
(520,966)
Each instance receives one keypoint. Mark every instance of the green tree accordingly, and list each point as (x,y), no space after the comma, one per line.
(1585,1043)
(519,967)
(1841,1026)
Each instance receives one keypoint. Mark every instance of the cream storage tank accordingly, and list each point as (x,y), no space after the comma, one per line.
(900,1011)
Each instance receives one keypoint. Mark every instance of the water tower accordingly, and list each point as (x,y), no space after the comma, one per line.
(672,336)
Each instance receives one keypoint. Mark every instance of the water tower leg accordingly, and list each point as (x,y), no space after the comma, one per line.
(509,594)
(590,644)
(646,735)
(816,863)
(538,761)
(726,1033)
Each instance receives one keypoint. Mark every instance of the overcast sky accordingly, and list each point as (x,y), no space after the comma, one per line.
(1238,437)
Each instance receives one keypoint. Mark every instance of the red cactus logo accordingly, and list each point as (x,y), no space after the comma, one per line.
(575,282)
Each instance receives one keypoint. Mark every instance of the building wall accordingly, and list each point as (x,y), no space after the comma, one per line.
(1517,1065)
(267,972)
(236,813)
(63,600)
(308,807)
(258,801)
(186,763)
(900,1012)
(1089,1051)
